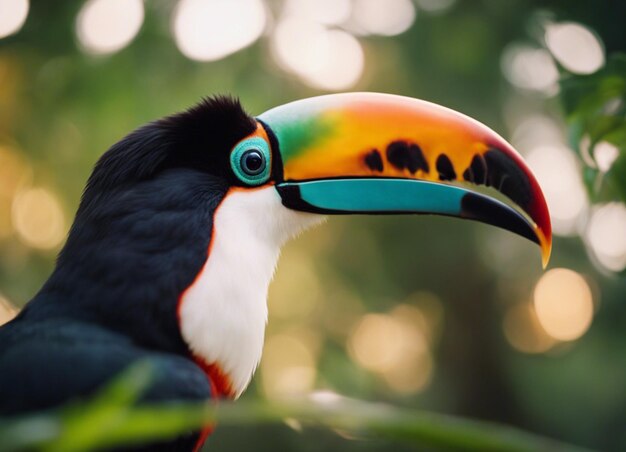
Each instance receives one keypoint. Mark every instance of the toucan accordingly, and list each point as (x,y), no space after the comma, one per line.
(180,226)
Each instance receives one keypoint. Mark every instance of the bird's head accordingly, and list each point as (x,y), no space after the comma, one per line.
(182,221)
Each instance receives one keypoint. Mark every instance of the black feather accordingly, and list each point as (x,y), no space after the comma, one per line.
(140,237)
(199,138)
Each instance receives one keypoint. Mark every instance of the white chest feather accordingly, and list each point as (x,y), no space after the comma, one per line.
(224,312)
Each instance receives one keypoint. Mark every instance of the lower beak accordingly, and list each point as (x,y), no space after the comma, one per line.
(383,154)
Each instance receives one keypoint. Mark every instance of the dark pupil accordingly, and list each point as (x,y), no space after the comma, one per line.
(253,162)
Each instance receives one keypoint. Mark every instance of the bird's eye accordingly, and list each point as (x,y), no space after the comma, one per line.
(250,161)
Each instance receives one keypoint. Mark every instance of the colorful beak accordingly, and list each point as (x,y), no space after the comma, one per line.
(384,154)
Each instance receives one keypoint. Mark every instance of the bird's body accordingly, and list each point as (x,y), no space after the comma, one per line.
(50,362)
(180,227)
(89,323)
(114,295)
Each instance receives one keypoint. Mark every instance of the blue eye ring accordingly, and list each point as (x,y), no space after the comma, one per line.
(250,161)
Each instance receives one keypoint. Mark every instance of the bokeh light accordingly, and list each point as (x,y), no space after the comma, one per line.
(377,343)
(300,45)
(343,65)
(411,375)
(106,26)
(395,347)
(327,12)
(606,235)
(523,330)
(327,397)
(415,371)
(535,130)
(13,14)
(564,304)
(14,175)
(558,174)
(326,59)
(7,310)
(530,68)
(425,311)
(576,47)
(605,154)
(288,367)
(387,18)
(38,218)
(208,30)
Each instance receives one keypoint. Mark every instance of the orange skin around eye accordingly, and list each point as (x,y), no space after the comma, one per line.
(260,133)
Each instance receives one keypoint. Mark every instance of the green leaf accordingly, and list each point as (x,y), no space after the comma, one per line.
(584,95)
(596,109)
(113,419)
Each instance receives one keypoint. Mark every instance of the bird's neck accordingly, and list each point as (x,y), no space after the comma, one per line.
(129,256)
(224,312)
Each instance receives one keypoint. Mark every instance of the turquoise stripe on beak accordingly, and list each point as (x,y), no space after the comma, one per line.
(381,195)
(389,195)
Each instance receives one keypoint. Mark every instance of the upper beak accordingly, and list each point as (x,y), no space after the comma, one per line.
(380,153)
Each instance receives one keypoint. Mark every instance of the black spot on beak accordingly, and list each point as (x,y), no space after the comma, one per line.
(374,161)
(506,176)
(477,171)
(404,155)
(495,169)
(445,168)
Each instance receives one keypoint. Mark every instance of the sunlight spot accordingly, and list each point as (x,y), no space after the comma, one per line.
(530,68)
(535,130)
(395,347)
(326,397)
(411,375)
(558,174)
(14,175)
(387,18)
(106,26)
(564,304)
(606,235)
(38,218)
(13,14)
(7,310)
(288,366)
(208,30)
(576,47)
(605,154)
(300,45)
(342,68)
(327,12)
(523,330)
(327,59)
(377,343)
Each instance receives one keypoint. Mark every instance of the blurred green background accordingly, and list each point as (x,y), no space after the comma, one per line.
(421,312)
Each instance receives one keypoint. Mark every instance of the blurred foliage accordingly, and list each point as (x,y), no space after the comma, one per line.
(112,419)
(61,108)
(596,109)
